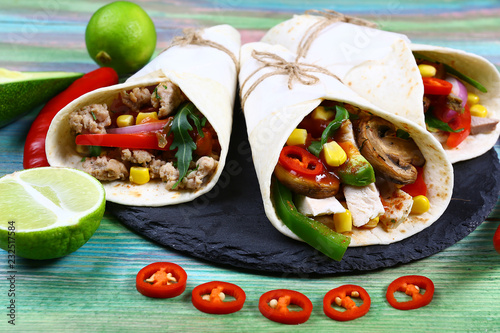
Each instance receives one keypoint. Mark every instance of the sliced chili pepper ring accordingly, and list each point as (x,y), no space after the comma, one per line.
(215,305)
(161,280)
(299,160)
(343,295)
(281,313)
(408,284)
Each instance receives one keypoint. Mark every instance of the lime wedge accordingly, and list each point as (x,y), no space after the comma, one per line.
(21,92)
(49,212)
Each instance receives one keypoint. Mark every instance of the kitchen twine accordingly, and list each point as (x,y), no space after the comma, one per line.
(193,37)
(329,17)
(295,71)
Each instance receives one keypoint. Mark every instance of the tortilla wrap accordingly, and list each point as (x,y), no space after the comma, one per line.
(272,112)
(486,73)
(377,65)
(208,81)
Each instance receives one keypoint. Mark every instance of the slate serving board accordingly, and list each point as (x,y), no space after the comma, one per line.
(228,225)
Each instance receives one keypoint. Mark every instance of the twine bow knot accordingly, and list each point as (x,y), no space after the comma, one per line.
(296,71)
(193,36)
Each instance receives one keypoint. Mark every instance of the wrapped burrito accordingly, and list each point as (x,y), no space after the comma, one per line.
(161,137)
(349,166)
(461,100)
(379,66)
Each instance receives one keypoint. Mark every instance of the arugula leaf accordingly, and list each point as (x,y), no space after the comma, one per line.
(402,134)
(182,140)
(315,148)
(453,71)
(432,122)
(197,123)
(340,116)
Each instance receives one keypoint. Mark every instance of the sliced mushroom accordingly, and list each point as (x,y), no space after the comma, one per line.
(308,187)
(393,157)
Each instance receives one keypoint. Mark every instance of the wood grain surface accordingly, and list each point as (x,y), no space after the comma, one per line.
(93,289)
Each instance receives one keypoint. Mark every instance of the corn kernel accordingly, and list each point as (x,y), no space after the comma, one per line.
(334,154)
(427,70)
(372,223)
(298,137)
(472,98)
(125,120)
(139,175)
(420,204)
(321,113)
(145,117)
(342,221)
(478,110)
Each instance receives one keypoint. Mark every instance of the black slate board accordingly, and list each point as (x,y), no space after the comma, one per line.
(228,225)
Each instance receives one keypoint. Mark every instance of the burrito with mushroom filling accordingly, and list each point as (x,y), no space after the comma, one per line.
(461,100)
(161,137)
(362,172)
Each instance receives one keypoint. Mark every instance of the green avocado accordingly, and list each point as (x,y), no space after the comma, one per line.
(21,92)
(357,171)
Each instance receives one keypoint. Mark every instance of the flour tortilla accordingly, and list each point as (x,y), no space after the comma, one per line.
(272,111)
(208,81)
(486,73)
(377,65)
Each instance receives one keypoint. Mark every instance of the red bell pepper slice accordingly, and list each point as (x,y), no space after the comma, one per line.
(280,313)
(132,141)
(216,305)
(342,297)
(435,86)
(408,284)
(496,240)
(161,280)
(463,120)
(418,187)
(300,161)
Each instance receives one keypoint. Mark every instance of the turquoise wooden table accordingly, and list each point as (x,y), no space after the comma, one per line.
(93,289)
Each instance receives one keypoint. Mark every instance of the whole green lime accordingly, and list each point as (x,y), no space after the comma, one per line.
(121,35)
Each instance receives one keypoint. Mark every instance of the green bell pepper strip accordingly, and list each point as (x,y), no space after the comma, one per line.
(453,71)
(314,233)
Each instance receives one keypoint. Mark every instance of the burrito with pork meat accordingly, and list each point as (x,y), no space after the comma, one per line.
(381,67)
(161,137)
(330,164)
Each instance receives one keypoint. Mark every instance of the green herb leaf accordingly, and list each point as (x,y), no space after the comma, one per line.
(453,71)
(93,115)
(434,123)
(315,148)
(402,134)
(182,140)
(340,116)
(204,121)
(158,97)
(197,123)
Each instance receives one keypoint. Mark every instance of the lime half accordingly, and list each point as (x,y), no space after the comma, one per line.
(49,212)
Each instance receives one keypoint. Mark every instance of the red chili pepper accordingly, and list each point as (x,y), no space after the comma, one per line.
(435,86)
(299,160)
(342,297)
(496,240)
(280,313)
(418,187)
(161,280)
(34,147)
(463,120)
(215,304)
(408,284)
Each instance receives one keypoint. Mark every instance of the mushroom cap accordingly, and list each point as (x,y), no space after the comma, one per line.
(393,157)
